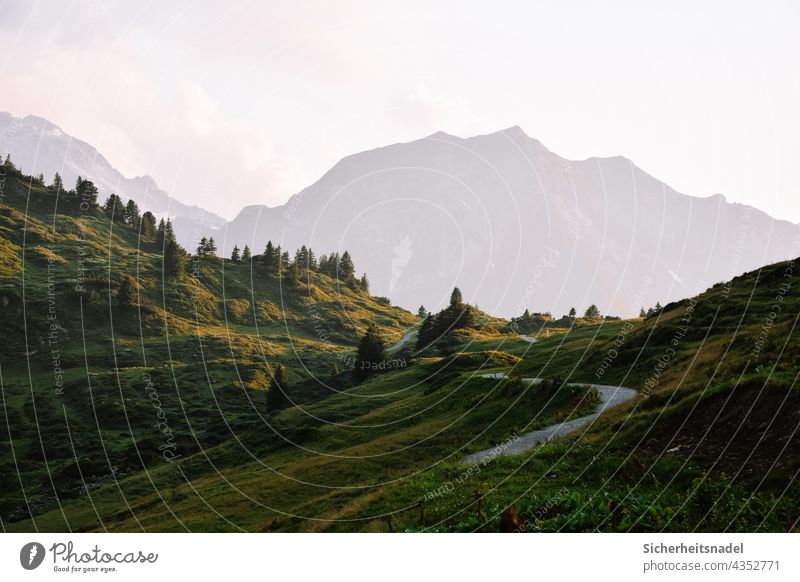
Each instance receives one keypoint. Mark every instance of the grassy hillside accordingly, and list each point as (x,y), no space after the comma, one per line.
(155,417)
(90,385)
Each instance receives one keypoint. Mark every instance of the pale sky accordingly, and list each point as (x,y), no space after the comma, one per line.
(233,103)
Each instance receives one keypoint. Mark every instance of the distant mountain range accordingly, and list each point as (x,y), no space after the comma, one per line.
(510,222)
(517,226)
(39,146)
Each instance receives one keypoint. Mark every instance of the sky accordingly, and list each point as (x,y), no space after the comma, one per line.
(244,102)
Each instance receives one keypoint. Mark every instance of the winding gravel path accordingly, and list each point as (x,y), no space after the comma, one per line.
(403,340)
(610,396)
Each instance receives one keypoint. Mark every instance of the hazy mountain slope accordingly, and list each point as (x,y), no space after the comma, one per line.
(38,146)
(518,226)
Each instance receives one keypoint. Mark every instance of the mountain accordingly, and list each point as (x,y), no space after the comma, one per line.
(39,146)
(518,227)
(512,223)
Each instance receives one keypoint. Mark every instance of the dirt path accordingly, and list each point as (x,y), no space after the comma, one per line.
(610,396)
(403,340)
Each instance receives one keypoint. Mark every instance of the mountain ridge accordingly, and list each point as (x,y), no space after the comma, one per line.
(484,212)
(38,146)
(518,183)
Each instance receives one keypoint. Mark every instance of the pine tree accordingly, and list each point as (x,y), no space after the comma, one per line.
(422,313)
(572,313)
(160,233)
(301,257)
(211,248)
(278,393)
(86,191)
(8,163)
(592,312)
(371,353)
(132,215)
(642,312)
(147,227)
(113,207)
(427,332)
(174,255)
(347,270)
(235,256)
(201,247)
(364,283)
(333,265)
(246,254)
(272,258)
(455,298)
(58,184)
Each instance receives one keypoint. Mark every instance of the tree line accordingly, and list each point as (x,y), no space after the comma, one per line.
(437,329)
(277,261)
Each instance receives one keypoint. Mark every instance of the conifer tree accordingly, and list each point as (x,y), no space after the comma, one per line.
(333,265)
(272,258)
(426,334)
(147,228)
(160,232)
(455,297)
(86,191)
(235,256)
(58,184)
(174,255)
(113,207)
(211,248)
(346,271)
(246,254)
(371,353)
(132,215)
